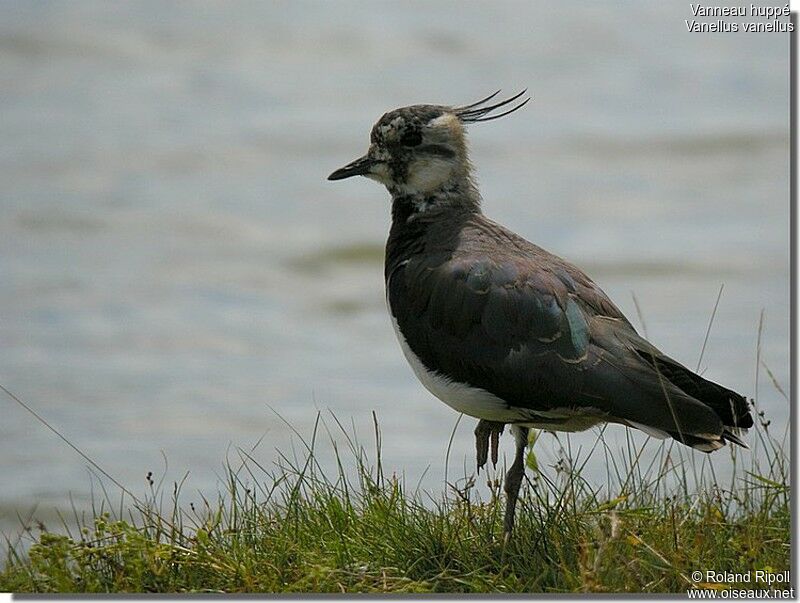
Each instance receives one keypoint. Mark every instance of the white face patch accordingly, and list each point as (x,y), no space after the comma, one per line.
(379,173)
(426,174)
(446,120)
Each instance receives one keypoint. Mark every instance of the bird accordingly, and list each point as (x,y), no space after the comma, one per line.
(504,331)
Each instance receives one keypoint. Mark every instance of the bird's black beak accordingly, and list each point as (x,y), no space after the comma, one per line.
(359,167)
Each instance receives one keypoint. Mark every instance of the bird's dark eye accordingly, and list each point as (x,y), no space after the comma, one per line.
(411,138)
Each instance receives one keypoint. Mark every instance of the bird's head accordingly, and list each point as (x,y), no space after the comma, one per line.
(418,150)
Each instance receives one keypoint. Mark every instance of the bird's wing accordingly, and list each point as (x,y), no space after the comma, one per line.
(539,335)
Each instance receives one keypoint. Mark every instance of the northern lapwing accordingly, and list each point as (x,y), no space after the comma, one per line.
(504,331)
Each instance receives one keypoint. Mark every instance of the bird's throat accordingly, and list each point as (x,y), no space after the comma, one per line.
(456,195)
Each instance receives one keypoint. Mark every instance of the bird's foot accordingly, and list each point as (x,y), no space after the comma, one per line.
(487,433)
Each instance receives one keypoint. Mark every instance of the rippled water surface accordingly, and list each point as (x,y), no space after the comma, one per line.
(176,270)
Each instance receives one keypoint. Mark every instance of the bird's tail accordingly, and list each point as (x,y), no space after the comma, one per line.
(732,408)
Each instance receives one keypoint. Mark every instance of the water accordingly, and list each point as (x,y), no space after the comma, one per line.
(176,270)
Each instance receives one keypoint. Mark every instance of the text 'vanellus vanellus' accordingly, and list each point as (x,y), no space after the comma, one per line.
(504,331)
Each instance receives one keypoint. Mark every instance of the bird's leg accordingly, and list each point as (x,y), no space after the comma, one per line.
(514,478)
(497,430)
(484,432)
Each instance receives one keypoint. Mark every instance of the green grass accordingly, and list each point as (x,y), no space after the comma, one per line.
(293,527)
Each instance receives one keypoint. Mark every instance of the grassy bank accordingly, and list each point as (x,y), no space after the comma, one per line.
(294,528)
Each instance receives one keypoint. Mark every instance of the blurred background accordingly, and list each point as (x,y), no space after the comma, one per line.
(176,269)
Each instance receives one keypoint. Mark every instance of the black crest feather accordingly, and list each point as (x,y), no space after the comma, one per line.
(479,111)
